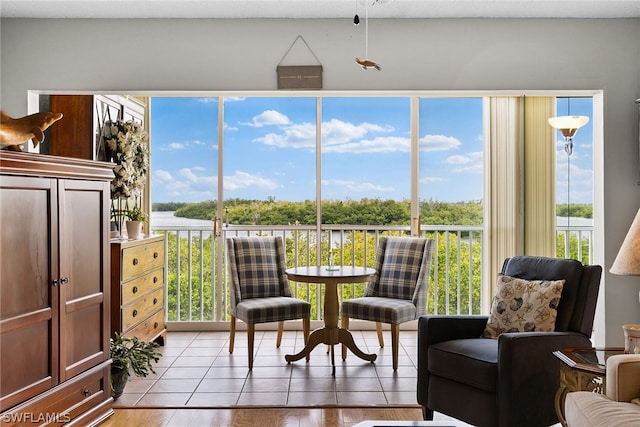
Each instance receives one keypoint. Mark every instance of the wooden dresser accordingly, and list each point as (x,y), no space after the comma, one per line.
(138,289)
(54,290)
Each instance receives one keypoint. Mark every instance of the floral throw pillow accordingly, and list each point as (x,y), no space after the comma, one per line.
(523,306)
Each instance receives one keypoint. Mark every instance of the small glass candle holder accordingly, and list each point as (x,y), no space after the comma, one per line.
(631,339)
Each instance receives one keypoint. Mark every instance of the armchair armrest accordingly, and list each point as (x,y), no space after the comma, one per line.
(527,369)
(435,329)
(623,377)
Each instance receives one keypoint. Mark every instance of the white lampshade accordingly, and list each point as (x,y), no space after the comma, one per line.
(628,260)
(568,125)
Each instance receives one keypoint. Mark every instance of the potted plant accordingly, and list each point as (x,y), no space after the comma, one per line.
(130,354)
(135,222)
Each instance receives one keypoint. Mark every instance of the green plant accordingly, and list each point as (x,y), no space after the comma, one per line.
(133,354)
(135,214)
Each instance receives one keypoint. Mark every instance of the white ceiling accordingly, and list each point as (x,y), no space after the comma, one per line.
(319,8)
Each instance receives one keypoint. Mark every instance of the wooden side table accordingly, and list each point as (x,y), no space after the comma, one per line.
(331,334)
(582,369)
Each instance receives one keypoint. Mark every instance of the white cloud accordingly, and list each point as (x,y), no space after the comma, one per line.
(336,131)
(438,143)
(190,184)
(188,174)
(181,145)
(356,186)
(163,176)
(209,100)
(240,180)
(430,179)
(466,163)
(458,160)
(388,144)
(227,127)
(295,136)
(338,137)
(174,146)
(269,117)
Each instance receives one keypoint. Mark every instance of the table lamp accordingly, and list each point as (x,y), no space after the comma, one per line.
(627,263)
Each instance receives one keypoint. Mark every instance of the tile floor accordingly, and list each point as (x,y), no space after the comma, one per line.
(196,370)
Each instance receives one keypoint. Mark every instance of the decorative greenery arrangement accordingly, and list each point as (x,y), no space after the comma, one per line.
(135,214)
(130,354)
(134,354)
(126,146)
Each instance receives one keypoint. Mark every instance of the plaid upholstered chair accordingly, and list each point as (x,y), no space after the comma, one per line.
(397,293)
(260,291)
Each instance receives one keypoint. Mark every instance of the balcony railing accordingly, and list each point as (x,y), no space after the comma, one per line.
(198,286)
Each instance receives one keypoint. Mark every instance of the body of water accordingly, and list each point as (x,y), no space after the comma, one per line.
(167,219)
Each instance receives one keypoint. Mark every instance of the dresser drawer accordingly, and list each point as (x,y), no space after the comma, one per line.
(141,307)
(138,259)
(65,402)
(149,329)
(141,285)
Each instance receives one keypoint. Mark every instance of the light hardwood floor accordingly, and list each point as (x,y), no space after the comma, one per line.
(247,417)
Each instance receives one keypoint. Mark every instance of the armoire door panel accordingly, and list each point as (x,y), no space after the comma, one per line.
(83,257)
(82,225)
(24,358)
(25,245)
(83,349)
(28,300)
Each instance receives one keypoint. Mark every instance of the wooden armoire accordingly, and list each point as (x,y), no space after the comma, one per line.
(54,290)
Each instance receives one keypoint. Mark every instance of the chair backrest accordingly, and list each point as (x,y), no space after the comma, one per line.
(577,307)
(257,268)
(403,267)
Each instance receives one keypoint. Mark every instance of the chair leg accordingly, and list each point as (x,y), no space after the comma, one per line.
(232,335)
(427,413)
(344,324)
(306,331)
(379,331)
(251,329)
(395,339)
(279,338)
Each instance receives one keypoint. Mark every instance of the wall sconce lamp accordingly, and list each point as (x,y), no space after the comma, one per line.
(568,126)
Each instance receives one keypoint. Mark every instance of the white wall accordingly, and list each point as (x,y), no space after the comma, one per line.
(442,54)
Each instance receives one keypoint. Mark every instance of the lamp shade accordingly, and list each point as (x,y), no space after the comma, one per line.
(568,125)
(628,260)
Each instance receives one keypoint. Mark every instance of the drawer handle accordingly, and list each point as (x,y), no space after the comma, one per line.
(87,392)
(135,313)
(64,280)
(135,261)
(155,325)
(155,279)
(155,301)
(135,289)
(155,255)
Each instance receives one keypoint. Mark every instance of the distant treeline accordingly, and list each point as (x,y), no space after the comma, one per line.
(363,212)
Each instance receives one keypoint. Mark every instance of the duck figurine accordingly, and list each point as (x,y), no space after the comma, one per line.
(367,63)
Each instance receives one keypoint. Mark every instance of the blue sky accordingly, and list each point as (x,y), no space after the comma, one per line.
(269,149)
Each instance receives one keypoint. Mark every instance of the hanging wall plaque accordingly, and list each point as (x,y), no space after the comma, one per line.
(296,77)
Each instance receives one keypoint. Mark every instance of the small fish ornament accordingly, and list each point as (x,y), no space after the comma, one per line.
(367,63)
(14,132)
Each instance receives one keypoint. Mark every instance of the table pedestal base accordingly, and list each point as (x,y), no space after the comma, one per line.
(330,337)
(330,334)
